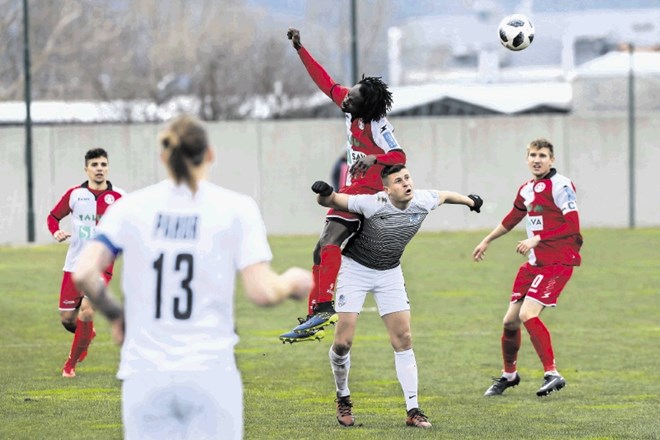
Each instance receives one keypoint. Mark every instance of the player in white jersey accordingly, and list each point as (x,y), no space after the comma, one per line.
(183,241)
(372,264)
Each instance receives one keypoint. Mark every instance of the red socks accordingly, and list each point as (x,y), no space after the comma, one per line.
(328,271)
(540,337)
(511,340)
(324,275)
(81,340)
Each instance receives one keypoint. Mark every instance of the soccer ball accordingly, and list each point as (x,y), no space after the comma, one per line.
(516,32)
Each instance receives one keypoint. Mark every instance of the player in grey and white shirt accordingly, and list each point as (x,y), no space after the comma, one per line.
(372,264)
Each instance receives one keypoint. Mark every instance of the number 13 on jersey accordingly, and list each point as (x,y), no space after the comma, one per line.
(182,264)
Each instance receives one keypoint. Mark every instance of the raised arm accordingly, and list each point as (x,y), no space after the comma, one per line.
(328,197)
(473,201)
(323,80)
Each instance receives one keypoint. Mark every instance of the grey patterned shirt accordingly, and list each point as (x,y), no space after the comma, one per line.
(387,229)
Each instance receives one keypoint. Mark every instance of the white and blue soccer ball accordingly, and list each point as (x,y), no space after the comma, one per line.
(516,32)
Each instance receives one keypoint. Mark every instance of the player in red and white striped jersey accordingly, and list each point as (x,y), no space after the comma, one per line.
(548,202)
(86,203)
(370,147)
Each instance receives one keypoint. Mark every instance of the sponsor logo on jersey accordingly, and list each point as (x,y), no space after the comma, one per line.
(86,232)
(535,223)
(83,199)
(539,187)
(89,217)
(109,199)
(68,301)
(390,140)
(355,156)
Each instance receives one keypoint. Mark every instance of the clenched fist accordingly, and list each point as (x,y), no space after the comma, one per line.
(294,35)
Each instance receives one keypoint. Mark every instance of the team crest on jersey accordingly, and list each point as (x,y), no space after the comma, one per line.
(414,218)
(361,124)
(109,199)
(539,187)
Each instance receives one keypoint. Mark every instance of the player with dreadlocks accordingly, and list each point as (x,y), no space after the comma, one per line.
(370,147)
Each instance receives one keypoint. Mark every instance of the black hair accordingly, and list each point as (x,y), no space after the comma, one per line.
(95,153)
(377,98)
(186,140)
(391,169)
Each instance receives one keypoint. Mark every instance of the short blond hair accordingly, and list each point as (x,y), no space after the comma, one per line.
(539,143)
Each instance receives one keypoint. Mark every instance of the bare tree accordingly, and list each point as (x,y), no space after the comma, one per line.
(219,52)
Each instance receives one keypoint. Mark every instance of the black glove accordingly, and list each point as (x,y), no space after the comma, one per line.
(321,188)
(477,202)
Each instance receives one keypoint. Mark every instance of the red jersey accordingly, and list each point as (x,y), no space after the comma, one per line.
(364,137)
(86,207)
(550,206)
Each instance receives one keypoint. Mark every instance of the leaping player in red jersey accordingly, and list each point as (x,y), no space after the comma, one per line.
(370,147)
(86,203)
(552,246)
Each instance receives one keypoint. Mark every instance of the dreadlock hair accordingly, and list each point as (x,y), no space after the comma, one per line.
(377,98)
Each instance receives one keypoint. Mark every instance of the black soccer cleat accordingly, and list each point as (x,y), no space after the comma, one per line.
(551,382)
(501,384)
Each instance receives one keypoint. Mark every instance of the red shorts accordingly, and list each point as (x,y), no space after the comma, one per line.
(543,284)
(351,190)
(70,297)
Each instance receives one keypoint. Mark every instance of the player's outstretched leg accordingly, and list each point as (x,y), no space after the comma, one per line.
(324,310)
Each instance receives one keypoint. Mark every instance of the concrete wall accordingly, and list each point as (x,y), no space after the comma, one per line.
(277,161)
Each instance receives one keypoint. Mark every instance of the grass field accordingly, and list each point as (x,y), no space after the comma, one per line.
(606,333)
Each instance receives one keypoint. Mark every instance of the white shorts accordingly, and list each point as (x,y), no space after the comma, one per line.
(355,281)
(195,405)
